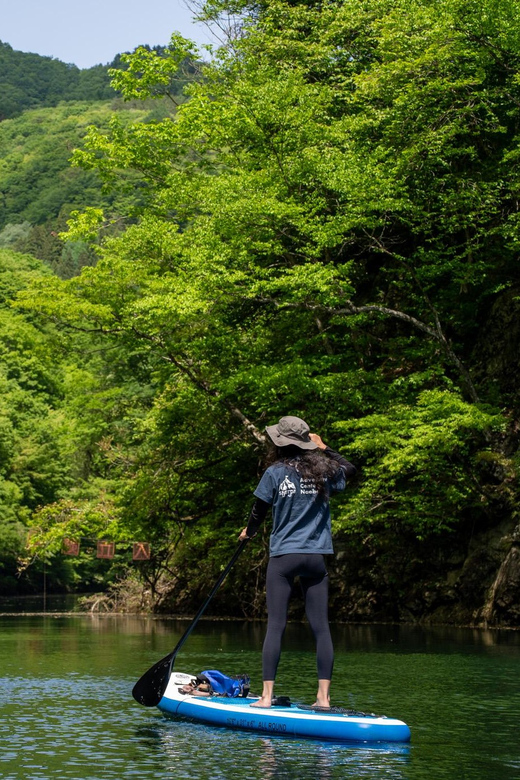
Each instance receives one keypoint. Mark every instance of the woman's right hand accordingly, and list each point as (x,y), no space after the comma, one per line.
(243,535)
(318,440)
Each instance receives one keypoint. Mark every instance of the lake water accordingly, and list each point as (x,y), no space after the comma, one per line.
(67,711)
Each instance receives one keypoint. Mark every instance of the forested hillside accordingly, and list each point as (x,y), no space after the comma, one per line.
(37,462)
(328,228)
(52,105)
(32,81)
(39,188)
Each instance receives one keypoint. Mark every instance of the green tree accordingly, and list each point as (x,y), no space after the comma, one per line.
(13,234)
(328,221)
(32,471)
(65,401)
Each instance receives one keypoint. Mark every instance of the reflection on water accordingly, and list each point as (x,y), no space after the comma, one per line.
(67,711)
(257,757)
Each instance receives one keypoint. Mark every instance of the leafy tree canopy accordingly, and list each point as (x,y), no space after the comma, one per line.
(329,220)
(31,470)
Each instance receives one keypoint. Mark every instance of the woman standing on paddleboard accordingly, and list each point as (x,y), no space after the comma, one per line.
(297,486)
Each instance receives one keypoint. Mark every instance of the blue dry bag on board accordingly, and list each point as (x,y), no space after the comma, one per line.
(222,685)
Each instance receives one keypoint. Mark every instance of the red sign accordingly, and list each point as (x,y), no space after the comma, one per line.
(70,547)
(141,551)
(105,549)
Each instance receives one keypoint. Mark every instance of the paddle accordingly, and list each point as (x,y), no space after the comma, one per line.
(149,689)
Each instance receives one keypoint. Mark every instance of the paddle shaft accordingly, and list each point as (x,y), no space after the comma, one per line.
(202,609)
(149,689)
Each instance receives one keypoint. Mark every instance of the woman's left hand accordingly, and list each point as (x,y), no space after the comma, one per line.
(243,535)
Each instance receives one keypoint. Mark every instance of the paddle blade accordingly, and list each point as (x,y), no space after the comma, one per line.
(149,689)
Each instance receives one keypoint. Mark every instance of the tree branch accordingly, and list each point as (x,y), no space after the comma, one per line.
(187,368)
(435,333)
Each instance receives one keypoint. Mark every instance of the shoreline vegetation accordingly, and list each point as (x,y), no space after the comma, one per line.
(232,619)
(321,220)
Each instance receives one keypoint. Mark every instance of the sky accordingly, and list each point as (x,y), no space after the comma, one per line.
(92,32)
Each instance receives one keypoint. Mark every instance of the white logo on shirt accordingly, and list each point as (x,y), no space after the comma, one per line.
(287,488)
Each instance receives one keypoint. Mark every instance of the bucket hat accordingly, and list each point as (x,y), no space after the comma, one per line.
(291,430)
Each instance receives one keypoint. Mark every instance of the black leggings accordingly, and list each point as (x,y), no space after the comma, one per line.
(281,571)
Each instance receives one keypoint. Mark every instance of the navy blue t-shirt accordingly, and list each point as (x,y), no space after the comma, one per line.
(301,516)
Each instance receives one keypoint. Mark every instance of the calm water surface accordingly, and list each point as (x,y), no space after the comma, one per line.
(67,712)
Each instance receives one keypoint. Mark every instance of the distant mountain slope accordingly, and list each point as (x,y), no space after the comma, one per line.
(31,81)
(46,107)
(38,186)
(36,178)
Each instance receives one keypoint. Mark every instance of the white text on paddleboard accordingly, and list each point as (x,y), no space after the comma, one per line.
(245,723)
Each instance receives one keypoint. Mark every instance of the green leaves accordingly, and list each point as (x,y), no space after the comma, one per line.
(321,228)
(151,73)
(33,470)
(420,463)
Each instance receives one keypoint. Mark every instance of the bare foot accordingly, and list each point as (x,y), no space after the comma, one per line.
(262,702)
(325,706)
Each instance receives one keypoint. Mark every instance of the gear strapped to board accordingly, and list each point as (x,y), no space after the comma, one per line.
(214,683)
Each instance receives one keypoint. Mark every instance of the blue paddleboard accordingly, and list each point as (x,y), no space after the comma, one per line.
(291,720)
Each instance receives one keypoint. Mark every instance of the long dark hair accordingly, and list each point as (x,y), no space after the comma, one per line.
(310,464)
